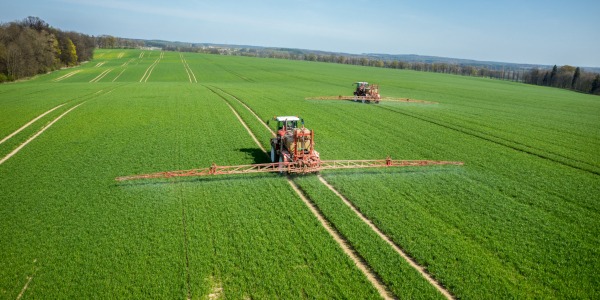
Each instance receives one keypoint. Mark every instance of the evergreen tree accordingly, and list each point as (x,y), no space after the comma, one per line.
(545,80)
(575,77)
(553,75)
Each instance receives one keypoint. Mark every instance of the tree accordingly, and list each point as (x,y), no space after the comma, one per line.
(31,47)
(545,80)
(35,23)
(595,85)
(553,75)
(68,52)
(575,77)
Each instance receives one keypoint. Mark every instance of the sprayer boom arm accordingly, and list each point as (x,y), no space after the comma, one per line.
(291,167)
(363,98)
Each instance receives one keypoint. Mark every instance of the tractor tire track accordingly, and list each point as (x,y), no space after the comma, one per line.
(83,99)
(16,150)
(150,69)
(24,287)
(341,241)
(411,261)
(184,218)
(118,75)
(503,142)
(66,76)
(422,271)
(127,62)
(188,70)
(358,261)
(102,75)
(247,128)
(29,123)
(29,278)
(249,109)
(231,72)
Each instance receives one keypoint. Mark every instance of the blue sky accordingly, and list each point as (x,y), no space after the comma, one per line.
(535,31)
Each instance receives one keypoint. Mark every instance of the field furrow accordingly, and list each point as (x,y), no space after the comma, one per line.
(365,269)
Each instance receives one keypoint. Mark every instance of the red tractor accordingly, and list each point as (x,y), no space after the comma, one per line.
(366,92)
(294,144)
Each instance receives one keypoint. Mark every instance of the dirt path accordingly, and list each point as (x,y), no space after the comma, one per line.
(29,123)
(37,134)
(384,237)
(362,266)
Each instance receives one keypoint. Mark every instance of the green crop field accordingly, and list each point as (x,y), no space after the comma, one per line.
(519,219)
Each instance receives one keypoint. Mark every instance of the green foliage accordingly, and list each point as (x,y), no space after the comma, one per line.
(68,52)
(32,47)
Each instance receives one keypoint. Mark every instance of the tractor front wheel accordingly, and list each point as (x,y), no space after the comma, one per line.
(274,156)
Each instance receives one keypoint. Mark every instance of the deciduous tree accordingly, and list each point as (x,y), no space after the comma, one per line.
(68,52)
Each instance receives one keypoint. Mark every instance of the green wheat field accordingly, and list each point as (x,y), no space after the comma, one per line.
(520,219)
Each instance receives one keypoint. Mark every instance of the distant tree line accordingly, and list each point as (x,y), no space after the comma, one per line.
(31,47)
(111,42)
(566,77)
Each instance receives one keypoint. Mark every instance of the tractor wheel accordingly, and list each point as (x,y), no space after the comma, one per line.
(274,156)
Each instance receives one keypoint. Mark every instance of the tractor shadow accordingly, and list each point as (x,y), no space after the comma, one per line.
(257,155)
